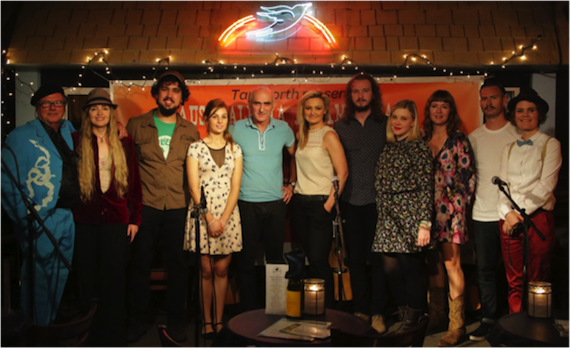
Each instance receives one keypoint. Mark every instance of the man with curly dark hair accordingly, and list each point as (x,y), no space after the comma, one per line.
(162,138)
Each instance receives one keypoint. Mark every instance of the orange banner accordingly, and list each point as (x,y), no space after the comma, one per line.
(136,100)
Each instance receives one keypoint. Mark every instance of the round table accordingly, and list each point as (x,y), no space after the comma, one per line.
(248,325)
(520,329)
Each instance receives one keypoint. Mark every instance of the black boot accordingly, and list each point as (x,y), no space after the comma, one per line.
(411,319)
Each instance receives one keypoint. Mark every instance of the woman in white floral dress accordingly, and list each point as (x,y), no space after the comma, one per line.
(214,164)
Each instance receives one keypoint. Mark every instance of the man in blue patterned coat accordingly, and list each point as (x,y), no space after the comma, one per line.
(40,155)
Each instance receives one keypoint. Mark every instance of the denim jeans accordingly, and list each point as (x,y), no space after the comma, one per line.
(487,240)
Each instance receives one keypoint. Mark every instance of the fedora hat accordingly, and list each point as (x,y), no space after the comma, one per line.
(529,94)
(98,96)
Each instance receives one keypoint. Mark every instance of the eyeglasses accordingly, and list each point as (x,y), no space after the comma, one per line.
(48,104)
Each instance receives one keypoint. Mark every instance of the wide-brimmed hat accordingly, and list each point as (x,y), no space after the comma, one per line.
(46,90)
(529,94)
(98,96)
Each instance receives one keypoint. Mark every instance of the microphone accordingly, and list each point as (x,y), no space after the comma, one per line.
(497,181)
(203,204)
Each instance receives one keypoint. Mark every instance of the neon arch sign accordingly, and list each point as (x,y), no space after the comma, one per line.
(274,24)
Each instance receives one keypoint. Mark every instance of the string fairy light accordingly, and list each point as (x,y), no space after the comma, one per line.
(99,66)
(346,60)
(521,54)
(282,60)
(301,72)
(101,58)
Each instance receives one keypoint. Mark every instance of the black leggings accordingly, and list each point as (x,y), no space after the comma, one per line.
(404,276)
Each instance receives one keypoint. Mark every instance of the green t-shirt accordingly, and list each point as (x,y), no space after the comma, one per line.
(165,131)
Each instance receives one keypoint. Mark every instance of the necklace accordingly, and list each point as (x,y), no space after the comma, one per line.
(101,138)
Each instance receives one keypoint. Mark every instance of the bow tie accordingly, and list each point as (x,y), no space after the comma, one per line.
(525,142)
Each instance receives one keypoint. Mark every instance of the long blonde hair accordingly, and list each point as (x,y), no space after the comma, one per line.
(414,131)
(303,135)
(86,164)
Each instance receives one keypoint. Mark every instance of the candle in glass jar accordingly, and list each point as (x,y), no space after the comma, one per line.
(539,299)
(314,297)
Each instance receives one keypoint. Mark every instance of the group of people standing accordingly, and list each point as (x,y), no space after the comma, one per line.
(511,147)
(407,196)
(404,195)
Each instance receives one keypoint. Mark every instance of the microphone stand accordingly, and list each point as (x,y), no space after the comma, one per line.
(339,244)
(198,209)
(31,217)
(527,224)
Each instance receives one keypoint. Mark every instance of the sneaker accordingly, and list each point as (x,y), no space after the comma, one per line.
(363,316)
(136,330)
(378,323)
(177,333)
(481,333)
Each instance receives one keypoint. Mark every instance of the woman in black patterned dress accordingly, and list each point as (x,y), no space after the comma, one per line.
(404,186)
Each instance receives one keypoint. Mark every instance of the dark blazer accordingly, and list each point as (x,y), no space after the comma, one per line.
(108,207)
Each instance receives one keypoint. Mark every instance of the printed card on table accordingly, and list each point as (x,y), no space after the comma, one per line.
(276,288)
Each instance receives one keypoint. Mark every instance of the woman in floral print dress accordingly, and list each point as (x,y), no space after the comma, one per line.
(454,174)
(215,164)
(404,186)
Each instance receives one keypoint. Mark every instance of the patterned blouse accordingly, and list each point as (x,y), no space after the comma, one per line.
(404,187)
(455,178)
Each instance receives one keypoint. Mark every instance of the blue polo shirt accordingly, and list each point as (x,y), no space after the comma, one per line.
(262,177)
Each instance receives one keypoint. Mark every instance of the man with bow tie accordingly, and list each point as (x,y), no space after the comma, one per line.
(530,167)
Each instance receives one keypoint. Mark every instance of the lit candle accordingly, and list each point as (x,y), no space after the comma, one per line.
(314,296)
(539,299)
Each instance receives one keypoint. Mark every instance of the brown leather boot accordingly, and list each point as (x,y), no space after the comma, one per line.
(437,312)
(456,330)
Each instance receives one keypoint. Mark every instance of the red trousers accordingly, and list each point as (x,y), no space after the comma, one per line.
(539,258)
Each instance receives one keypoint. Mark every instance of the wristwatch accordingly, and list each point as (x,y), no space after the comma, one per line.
(293,183)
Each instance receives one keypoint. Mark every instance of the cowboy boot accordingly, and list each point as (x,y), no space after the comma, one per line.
(456,329)
(437,313)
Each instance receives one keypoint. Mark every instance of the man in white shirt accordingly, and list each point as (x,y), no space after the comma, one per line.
(487,141)
(530,168)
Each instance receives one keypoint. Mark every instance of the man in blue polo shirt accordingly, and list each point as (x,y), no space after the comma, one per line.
(263,197)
